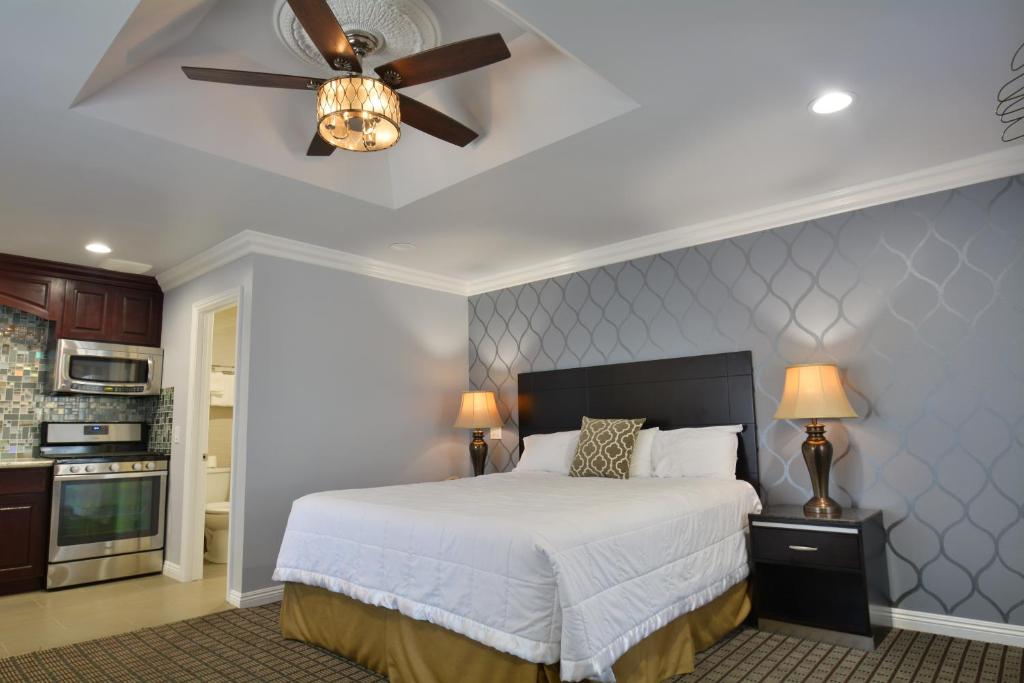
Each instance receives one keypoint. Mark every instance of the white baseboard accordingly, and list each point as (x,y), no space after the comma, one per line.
(261,596)
(173,571)
(955,627)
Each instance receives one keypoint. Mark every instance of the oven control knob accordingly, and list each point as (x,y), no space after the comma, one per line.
(90,468)
(137,466)
(75,468)
(150,465)
(114,467)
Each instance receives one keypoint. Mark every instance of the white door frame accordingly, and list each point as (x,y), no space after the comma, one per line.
(193,509)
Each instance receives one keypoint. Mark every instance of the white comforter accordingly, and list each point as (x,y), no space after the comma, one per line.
(546,567)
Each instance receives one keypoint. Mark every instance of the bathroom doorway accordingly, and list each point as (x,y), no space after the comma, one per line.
(217,456)
(212,496)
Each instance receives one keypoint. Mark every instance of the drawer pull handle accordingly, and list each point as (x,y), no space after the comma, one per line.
(803,548)
(10,508)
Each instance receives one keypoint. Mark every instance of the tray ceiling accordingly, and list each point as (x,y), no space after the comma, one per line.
(694,121)
(538,97)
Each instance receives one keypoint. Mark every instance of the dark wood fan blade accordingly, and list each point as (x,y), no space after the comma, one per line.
(326,33)
(319,148)
(433,122)
(198,73)
(444,61)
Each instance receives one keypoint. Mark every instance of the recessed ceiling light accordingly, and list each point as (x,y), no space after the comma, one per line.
(403,246)
(97,248)
(831,102)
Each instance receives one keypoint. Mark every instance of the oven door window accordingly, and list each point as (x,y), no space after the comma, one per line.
(98,510)
(108,370)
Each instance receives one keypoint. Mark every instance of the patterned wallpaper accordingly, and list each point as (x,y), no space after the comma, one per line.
(919,302)
(24,403)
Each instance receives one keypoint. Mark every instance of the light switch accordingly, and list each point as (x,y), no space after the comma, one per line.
(496,433)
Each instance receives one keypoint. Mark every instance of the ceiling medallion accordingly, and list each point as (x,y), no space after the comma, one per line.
(395,28)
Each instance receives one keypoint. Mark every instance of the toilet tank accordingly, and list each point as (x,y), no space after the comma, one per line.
(218,484)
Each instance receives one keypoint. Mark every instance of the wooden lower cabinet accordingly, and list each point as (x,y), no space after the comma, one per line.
(24,527)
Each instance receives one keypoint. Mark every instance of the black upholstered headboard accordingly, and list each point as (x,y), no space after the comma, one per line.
(697,391)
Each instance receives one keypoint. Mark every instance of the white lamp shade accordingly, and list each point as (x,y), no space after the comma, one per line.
(479,410)
(811,392)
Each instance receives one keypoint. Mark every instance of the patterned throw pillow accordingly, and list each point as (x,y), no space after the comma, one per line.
(605,448)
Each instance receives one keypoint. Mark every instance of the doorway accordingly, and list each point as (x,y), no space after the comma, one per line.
(213,454)
(217,456)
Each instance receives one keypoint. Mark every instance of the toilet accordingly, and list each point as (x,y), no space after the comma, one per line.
(218,485)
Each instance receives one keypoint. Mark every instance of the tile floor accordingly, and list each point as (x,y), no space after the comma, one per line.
(41,620)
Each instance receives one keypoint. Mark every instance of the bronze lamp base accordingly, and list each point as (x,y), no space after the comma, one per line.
(818,457)
(478,452)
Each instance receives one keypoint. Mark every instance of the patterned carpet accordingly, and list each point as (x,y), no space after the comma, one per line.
(246,645)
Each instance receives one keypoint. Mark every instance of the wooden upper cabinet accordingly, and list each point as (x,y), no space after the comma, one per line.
(40,295)
(88,312)
(96,312)
(138,316)
(87,303)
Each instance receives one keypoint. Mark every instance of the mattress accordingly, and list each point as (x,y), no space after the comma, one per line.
(549,568)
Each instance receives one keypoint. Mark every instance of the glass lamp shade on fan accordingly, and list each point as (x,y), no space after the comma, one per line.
(358,114)
(478,411)
(813,392)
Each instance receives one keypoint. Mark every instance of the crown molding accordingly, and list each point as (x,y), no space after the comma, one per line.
(977,169)
(999,164)
(250,242)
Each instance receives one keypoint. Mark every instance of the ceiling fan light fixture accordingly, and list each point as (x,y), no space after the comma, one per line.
(357,113)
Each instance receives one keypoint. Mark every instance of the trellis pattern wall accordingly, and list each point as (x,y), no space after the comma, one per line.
(920,302)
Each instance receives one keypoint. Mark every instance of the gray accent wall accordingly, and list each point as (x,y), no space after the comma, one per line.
(919,302)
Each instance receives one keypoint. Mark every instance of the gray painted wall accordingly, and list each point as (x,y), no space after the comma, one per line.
(176,340)
(920,303)
(354,382)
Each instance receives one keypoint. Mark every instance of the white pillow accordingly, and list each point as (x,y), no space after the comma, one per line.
(704,452)
(641,464)
(549,452)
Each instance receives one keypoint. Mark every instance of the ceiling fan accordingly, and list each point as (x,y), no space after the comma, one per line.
(362,113)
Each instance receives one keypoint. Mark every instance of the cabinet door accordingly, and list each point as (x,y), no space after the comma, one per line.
(40,295)
(88,310)
(109,313)
(23,536)
(136,317)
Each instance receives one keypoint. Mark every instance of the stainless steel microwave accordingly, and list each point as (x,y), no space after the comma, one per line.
(85,367)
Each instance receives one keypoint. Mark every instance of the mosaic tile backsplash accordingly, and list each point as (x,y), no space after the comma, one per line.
(919,302)
(24,402)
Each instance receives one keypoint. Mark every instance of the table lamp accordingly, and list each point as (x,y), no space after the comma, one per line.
(813,392)
(478,412)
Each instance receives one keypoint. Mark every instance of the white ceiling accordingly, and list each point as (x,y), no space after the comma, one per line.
(565,164)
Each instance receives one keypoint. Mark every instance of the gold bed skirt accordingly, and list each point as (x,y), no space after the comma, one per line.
(412,651)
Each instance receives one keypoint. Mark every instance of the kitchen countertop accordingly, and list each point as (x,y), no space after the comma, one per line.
(13,460)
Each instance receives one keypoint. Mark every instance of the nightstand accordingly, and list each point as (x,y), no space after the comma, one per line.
(819,578)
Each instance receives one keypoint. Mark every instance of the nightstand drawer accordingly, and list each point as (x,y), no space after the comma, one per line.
(777,543)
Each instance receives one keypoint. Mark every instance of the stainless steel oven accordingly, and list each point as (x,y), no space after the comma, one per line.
(109,503)
(106,511)
(85,367)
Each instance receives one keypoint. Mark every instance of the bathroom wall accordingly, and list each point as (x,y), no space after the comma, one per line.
(23,399)
(918,301)
(218,446)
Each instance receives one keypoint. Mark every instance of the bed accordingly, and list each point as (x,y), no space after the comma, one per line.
(533,576)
